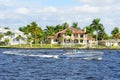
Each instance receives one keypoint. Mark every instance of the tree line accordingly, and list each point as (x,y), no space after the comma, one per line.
(35,34)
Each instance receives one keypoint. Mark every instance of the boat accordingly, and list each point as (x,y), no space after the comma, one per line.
(90,55)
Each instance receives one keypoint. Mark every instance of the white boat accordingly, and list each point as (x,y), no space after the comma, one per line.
(83,54)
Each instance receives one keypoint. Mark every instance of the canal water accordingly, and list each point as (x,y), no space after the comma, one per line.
(39,64)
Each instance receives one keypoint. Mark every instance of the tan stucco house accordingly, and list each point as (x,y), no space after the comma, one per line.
(78,37)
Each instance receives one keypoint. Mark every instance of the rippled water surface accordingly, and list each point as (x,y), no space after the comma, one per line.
(38,64)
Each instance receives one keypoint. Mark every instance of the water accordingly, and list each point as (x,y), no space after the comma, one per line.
(21,64)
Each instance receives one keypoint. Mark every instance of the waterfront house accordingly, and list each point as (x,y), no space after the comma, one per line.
(111,42)
(12,38)
(78,37)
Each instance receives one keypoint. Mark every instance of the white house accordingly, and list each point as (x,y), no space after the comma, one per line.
(12,38)
(111,42)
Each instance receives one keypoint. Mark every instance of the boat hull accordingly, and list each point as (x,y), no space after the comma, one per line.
(83,55)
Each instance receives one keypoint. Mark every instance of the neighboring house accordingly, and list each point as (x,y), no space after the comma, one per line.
(12,38)
(16,41)
(111,42)
(78,37)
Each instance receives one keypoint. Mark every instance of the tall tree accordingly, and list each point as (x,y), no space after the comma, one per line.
(33,30)
(115,33)
(58,28)
(75,25)
(89,30)
(50,30)
(65,25)
(97,26)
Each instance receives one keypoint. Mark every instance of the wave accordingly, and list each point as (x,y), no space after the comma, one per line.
(31,55)
(81,56)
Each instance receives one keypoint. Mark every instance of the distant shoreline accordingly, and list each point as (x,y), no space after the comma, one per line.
(62,48)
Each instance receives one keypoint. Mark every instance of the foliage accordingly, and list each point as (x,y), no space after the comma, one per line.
(75,25)
(68,32)
(115,33)
(1,36)
(6,41)
(65,25)
(98,28)
(89,30)
(8,33)
(19,37)
(33,30)
(2,43)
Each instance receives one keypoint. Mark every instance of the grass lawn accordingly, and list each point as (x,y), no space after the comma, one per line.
(57,46)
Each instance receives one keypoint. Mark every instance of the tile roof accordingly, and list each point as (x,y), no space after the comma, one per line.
(74,31)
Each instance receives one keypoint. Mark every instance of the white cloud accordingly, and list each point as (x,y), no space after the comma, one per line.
(2,16)
(22,11)
(96,1)
(85,8)
(6,2)
(48,9)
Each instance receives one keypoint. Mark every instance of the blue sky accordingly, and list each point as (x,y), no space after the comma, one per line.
(17,13)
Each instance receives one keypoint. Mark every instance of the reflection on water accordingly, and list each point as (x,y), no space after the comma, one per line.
(21,64)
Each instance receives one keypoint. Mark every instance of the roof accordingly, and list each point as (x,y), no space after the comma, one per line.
(74,31)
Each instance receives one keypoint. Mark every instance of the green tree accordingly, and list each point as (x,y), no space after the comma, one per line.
(50,30)
(58,28)
(115,33)
(68,32)
(75,25)
(1,36)
(89,30)
(65,25)
(6,41)
(8,33)
(34,30)
(97,26)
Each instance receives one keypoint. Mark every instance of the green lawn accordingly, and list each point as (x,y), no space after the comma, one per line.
(57,46)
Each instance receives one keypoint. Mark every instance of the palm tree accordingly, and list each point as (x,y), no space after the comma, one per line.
(50,30)
(115,33)
(75,25)
(58,28)
(32,29)
(89,30)
(35,31)
(65,25)
(97,26)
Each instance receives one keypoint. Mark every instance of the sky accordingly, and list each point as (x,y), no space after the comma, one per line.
(18,13)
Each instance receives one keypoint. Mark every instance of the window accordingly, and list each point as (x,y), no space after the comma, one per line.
(81,35)
(81,41)
(75,41)
(55,40)
(87,41)
(75,35)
